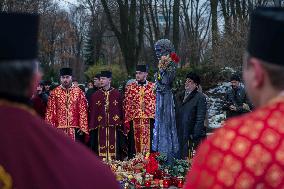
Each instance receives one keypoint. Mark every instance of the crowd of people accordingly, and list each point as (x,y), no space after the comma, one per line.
(40,151)
(128,118)
(136,111)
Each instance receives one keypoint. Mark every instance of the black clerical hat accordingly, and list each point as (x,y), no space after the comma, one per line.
(266,37)
(141,68)
(194,77)
(98,76)
(65,71)
(107,74)
(18,36)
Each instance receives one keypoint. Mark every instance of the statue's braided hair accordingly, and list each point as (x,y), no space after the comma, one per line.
(164,47)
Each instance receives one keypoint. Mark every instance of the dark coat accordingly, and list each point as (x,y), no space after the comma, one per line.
(89,93)
(190,115)
(39,103)
(236,97)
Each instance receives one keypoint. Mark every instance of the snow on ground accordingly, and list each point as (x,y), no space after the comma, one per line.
(215,95)
(221,88)
(231,70)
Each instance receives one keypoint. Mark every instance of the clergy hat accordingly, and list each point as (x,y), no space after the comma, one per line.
(18,36)
(65,71)
(107,74)
(266,36)
(141,68)
(97,76)
(194,77)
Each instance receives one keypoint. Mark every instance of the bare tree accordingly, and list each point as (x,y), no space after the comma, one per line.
(130,30)
(277,3)
(232,41)
(214,28)
(176,23)
(195,24)
(97,27)
(79,22)
(2,3)
(58,40)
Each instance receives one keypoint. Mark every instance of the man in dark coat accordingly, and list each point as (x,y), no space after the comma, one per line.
(247,152)
(190,114)
(33,154)
(47,85)
(39,100)
(96,86)
(93,86)
(236,101)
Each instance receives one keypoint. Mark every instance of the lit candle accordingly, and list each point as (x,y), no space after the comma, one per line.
(180,182)
(166,182)
(147,183)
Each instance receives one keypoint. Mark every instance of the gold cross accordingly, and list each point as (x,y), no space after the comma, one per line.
(115,102)
(116,117)
(98,103)
(100,118)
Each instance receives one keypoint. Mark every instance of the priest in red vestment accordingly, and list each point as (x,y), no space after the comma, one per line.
(139,112)
(67,107)
(34,155)
(248,152)
(106,118)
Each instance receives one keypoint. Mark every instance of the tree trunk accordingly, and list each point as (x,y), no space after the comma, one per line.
(2,4)
(214,28)
(277,3)
(176,15)
(128,38)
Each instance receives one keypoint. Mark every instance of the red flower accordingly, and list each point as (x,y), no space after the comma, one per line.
(174,57)
(155,154)
(152,165)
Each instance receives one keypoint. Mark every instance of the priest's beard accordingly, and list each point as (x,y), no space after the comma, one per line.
(67,84)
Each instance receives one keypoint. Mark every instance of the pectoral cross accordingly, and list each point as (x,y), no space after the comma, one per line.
(115,102)
(98,103)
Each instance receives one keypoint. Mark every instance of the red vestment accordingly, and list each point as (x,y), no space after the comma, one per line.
(139,108)
(67,110)
(248,152)
(35,155)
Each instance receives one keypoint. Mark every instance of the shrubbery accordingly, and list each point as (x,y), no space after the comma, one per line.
(210,75)
(119,75)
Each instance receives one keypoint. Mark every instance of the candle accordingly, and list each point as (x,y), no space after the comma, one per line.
(166,182)
(180,183)
(147,183)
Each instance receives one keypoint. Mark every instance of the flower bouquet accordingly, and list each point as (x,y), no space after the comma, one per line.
(149,171)
(167,63)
